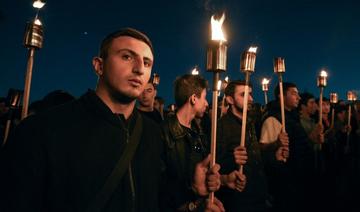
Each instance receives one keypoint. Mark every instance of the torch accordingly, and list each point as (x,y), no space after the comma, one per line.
(351,97)
(279,69)
(216,63)
(321,83)
(223,87)
(333,102)
(247,66)
(33,40)
(265,88)
(195,71)
(14,97)
(156,80)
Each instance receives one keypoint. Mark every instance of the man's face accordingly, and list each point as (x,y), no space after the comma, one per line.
(147,97)
(126,70)
(291,99)
(238,100)
(311,106)
(200,104)
(325,107)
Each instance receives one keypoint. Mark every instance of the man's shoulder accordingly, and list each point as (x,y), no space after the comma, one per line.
(271,120)
(149,123)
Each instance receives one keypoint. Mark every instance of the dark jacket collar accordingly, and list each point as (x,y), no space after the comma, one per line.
(99,108)
(177,130)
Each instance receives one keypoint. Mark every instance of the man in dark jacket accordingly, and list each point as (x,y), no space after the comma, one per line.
(60,160)
(293,182)
(253,198)
(185,146)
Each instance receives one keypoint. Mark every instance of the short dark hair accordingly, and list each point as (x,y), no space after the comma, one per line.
(230,88)
(187,85)
(286,86)
(325,99)
(106,42)
(305,97)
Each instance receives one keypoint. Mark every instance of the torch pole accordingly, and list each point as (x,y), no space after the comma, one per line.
(214,119)
(320,110)
(348,132)
(28,76)
(214,125)
(265,97)
(282,106)
(244,115)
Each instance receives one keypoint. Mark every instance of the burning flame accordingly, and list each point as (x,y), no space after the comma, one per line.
(195,71)
(37,22)
(323,73)
(219,85)
(351,96)
(252,49)
(38,4)
(265,81)
(216,30)
(226,79)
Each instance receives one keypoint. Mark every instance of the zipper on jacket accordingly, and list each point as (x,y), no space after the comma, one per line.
(131,177)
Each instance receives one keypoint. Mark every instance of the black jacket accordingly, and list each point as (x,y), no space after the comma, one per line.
(293,184)
(253,198)
(59,160)
(184,148)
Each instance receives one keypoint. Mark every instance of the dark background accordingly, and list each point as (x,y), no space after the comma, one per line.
(311,35)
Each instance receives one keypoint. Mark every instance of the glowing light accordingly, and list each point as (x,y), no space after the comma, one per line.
(226,79)
(265,81)
(252,49)
(323,73)
(37,22)
(216,28)
(195,71)
(38,4)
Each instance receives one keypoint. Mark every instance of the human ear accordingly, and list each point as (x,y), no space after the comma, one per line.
(98,65)
(192,99)
(230,100)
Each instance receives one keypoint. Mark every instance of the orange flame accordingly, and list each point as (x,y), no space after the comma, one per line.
(37,22)
(216,28)
(195,71)
(323,73)
(265,81)
(252,49)
(38,4)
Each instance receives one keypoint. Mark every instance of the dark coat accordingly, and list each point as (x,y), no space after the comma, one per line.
(59,160)
(253,198)
(184,148)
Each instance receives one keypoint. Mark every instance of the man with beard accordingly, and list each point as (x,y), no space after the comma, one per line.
(95,153)
(253,198)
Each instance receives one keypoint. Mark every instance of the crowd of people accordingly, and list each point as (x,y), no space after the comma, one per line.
(117,148)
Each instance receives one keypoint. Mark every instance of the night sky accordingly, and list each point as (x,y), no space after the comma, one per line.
(310,35)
